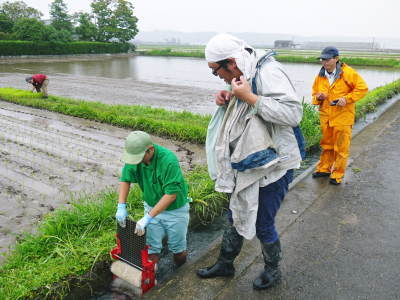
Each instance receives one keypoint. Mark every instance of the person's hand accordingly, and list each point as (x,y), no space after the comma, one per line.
(121,214)
(341,102)
(141,224)
(223,97)
(321,96)
(242,90)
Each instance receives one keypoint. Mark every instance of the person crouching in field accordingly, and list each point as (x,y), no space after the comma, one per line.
(165,193)
(39,82)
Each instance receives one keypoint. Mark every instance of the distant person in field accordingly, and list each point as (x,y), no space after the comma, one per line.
(40,82)
(336,89)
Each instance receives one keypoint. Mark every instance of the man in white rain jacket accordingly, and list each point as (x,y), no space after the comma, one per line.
(253,145)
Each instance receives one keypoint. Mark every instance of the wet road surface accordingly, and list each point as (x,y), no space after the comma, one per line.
(339,242)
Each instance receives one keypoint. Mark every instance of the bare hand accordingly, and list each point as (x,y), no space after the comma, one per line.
(242,90)
(341,102)
(321,96)
(223,97)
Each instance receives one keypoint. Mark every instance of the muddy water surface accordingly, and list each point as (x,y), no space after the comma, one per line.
(175,83)
(46,158)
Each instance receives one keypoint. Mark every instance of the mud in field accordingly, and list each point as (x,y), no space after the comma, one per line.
(117,91)
(46,157)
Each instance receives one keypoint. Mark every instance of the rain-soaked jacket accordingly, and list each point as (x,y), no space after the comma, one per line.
(279,110)
(347,84)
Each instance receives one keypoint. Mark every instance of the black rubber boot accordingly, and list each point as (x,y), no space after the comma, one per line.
(231,245)
(271,275)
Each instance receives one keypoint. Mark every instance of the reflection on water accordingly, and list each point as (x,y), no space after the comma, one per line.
(182,71)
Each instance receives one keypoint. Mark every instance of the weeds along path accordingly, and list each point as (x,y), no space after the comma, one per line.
(47,158)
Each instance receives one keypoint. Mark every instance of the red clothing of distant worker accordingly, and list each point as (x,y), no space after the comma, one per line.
(39,78)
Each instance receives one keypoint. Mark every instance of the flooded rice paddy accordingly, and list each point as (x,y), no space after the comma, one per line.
(174,83)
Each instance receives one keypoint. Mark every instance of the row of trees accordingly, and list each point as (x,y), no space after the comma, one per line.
(109,20)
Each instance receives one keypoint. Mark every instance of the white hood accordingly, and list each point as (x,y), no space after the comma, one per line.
(223,46)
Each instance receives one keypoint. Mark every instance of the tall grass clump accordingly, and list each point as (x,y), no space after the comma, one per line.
(207,204)
(67,244)
(70,241)
(310,126)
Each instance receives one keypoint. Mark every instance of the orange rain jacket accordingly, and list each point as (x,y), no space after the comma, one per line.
(347,84)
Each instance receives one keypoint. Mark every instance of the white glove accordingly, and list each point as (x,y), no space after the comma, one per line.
(141,224)
(121,214)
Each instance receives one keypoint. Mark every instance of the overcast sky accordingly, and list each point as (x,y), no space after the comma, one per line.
(298,17)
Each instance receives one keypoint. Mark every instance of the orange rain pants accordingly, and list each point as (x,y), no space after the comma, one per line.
(335,144)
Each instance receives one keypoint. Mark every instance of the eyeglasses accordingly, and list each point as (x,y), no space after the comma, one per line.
(214,71)
(222,63)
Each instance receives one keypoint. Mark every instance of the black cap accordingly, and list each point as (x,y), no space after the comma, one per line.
(27,79)
(329,52)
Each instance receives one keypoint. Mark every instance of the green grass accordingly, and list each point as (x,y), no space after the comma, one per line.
(373,59)
(207,204)
(171,52)
(68,244)
(354,61)
(70,241)
(183,126)
(310,126)
(376,97)
(173,47)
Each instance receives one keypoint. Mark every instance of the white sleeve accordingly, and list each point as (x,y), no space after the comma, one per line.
(277,101)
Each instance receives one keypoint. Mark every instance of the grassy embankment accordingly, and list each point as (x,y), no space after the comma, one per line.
(183,126)
(69,242)
(293,56)
(376,97)
(353,61)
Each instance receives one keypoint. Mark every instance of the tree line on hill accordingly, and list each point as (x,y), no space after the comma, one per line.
(108,21)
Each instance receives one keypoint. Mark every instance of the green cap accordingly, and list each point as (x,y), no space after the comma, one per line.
(136,144)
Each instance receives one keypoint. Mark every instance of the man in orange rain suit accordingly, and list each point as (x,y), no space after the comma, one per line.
(336,89)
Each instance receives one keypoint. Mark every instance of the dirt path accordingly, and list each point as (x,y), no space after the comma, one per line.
(46,157)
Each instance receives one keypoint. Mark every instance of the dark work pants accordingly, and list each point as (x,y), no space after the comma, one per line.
(269,201)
